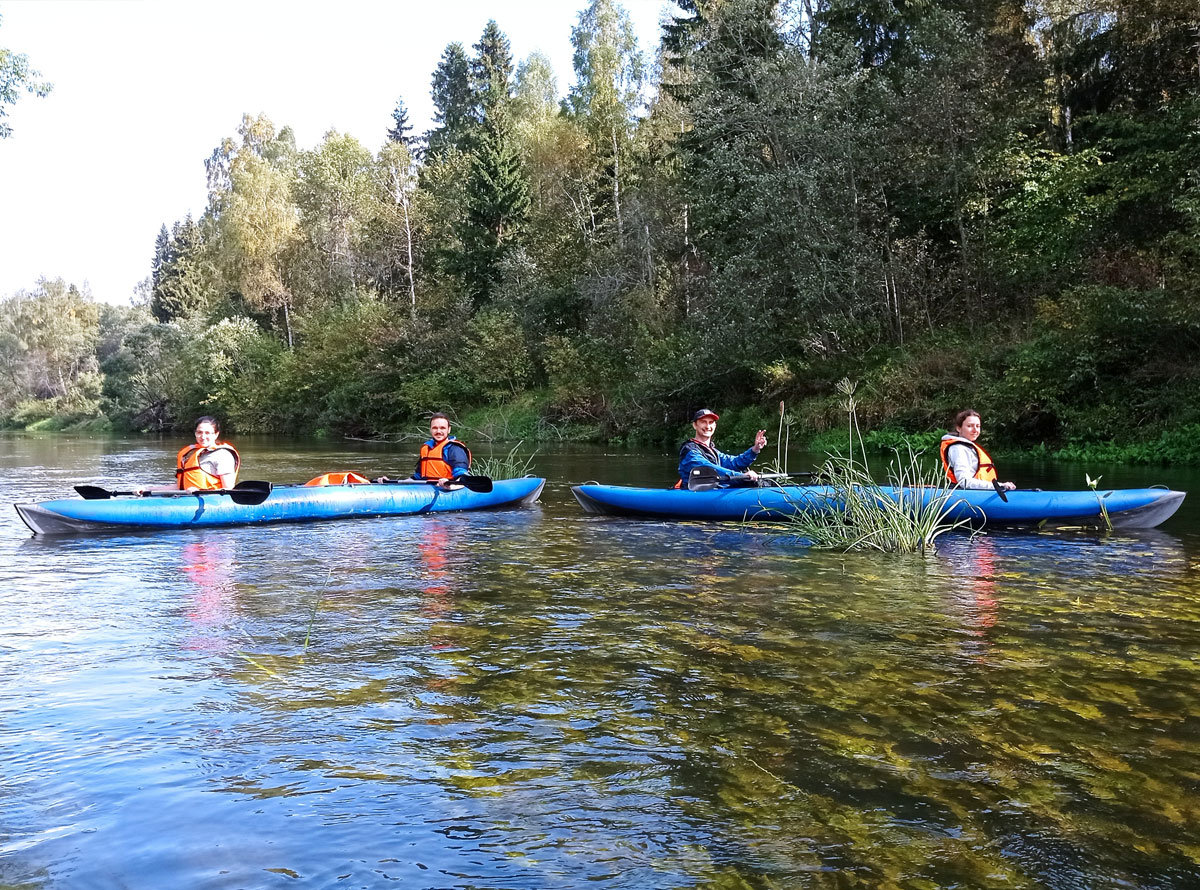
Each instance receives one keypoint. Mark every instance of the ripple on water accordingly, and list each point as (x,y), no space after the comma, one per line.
(529,699)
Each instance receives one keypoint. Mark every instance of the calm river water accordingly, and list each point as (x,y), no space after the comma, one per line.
(536,698)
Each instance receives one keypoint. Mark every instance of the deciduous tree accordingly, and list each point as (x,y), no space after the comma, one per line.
(16,77)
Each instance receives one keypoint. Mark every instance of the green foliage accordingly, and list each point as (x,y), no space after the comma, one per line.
(991,204)
(337,196)
(182,277)
(1103,363)
(851,511)
(498,353)
(48,341)
(16,77)
(453,102)
(1179,445)
(496,208)
(223,371)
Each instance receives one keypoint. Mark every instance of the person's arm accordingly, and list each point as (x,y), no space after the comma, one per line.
(743,461)
(964,462)
(456,456)
(224,467)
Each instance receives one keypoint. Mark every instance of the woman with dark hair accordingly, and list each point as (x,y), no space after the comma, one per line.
(207,465)
(967,464)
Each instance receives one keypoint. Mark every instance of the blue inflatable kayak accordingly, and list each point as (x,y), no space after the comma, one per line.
(284,503)
(1127,508)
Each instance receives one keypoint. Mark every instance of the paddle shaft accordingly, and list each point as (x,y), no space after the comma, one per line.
(706,478)
(248,492)
(481,484)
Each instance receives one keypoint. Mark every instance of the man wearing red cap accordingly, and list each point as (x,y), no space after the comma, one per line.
(699,451)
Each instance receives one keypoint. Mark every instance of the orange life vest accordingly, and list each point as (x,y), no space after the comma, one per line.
(345,478)
(986,471)
(433,466)
(189,473)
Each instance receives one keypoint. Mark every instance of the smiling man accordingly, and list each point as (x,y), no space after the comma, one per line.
(442,457)
(699,451)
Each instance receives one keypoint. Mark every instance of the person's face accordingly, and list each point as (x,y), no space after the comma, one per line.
(970,428)
(206,434)
(705,427)
(439,429)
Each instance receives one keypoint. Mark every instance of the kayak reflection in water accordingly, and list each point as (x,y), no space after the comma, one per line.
(967,464)
(700,452)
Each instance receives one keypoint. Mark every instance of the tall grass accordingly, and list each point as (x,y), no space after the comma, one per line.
(509,466)
(854,512)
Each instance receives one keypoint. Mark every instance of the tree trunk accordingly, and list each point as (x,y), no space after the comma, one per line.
(616,186)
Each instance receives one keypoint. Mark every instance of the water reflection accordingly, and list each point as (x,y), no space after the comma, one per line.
(209,565)
(537,698)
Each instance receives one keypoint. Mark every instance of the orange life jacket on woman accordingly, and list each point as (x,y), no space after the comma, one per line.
(986,471)
(432,465)
(190,474)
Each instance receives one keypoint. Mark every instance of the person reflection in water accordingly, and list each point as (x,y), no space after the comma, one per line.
(433,547)
(208,565)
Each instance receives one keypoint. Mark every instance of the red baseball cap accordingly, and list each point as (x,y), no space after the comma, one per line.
(705,412)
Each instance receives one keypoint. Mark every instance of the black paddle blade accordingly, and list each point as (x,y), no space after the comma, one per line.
(93,492)
(482,484)
(703,479)
(250,493)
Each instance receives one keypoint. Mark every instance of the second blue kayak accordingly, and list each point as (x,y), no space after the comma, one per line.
(1127,508)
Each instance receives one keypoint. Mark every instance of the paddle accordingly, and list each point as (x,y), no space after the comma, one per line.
(1000,491)
(481,484)
(707,478)
(248,493)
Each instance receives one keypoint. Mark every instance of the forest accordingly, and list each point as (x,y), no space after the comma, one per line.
(950,203)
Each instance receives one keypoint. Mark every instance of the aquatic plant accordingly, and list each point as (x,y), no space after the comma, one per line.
(509,466)
(312,617)
(851,511)
(1092,483)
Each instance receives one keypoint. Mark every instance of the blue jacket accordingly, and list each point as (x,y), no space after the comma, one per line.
(692,454)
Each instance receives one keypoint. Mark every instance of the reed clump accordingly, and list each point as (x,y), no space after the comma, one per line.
(508,466)
(851,511)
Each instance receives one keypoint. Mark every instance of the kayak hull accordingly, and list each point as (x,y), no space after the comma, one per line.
(1127,508)
(286,503)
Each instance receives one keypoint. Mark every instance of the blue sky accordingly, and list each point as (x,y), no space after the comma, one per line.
(144,90)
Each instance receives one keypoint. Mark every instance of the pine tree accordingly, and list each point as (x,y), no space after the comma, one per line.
(497,208)
(491,75)
(400,129)
(453,101)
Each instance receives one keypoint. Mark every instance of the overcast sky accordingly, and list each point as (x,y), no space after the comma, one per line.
(144,90)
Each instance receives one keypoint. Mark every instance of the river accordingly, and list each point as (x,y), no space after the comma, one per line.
(537,698)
